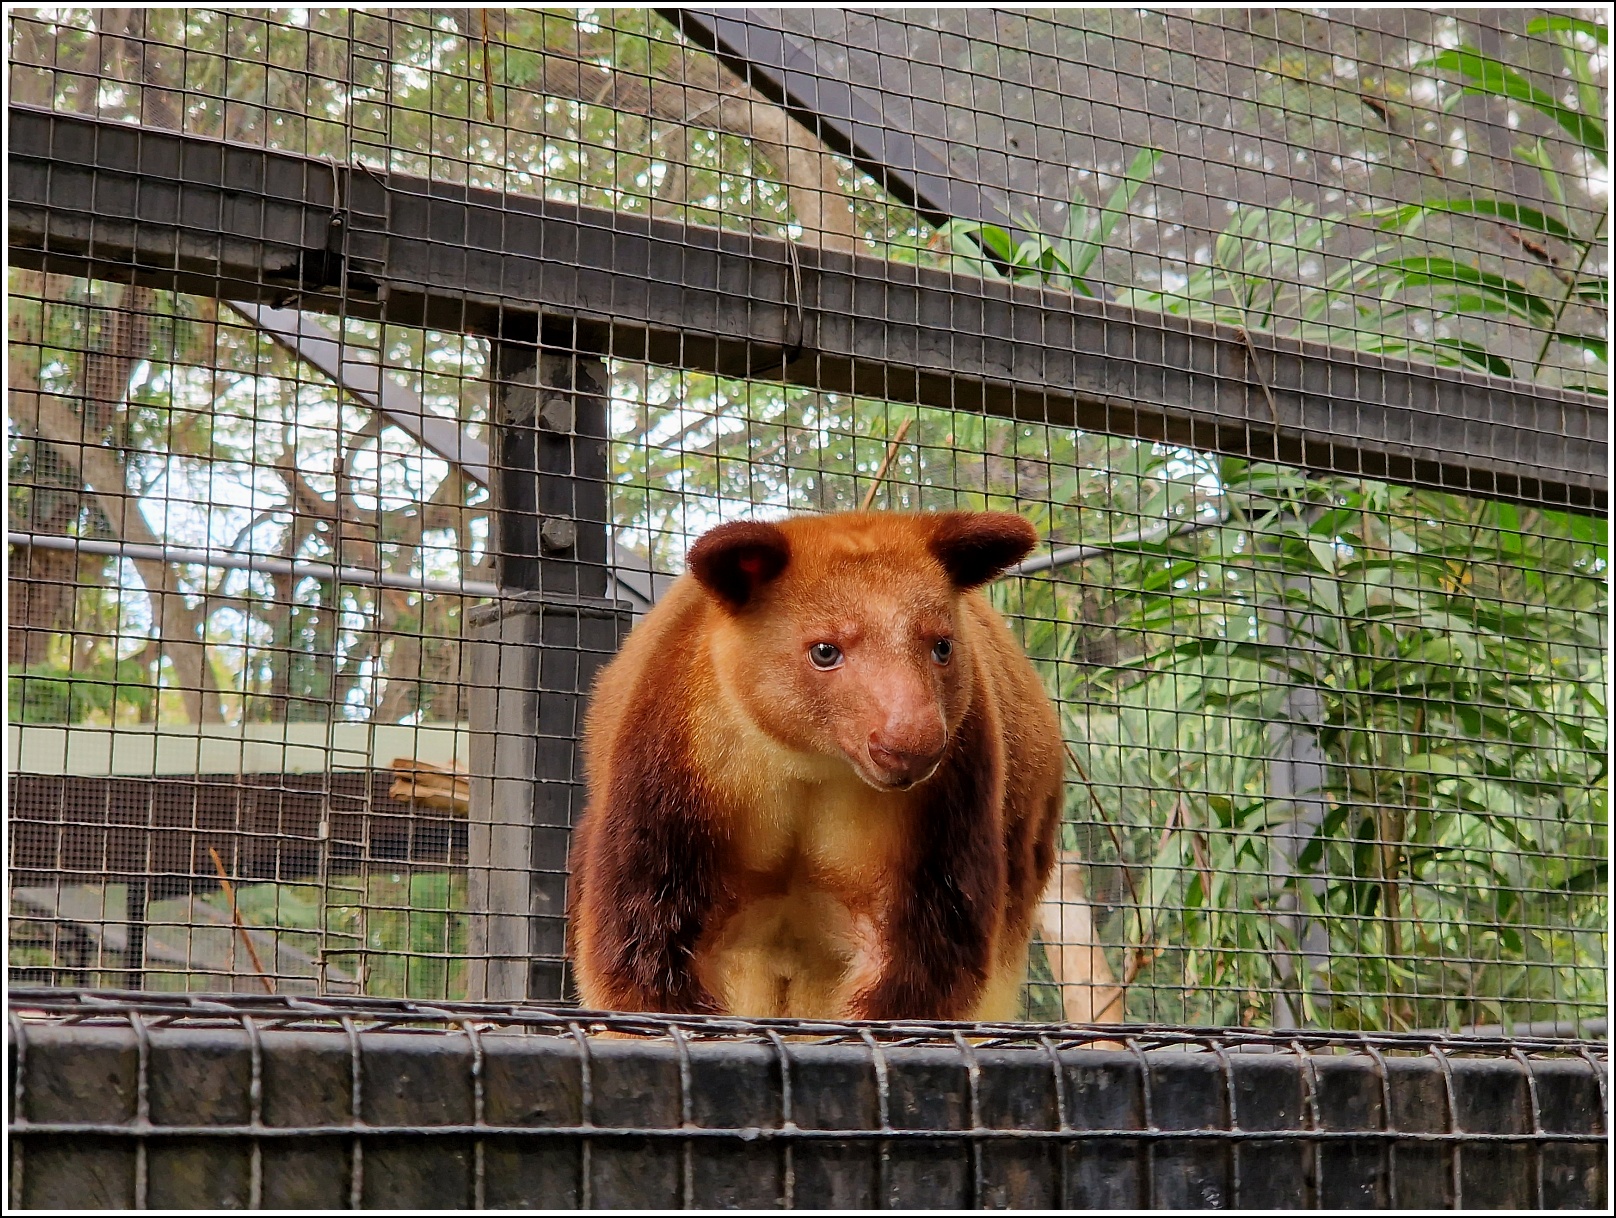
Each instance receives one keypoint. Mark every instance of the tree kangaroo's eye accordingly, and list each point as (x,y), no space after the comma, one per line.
(825,655)
(943,649)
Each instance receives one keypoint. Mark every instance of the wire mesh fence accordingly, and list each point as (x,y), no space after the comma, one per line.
(371,371)
(268,1102)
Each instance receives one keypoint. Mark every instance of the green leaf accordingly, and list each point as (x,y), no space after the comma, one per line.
(1440,271)
(1598,346)
(1396,217)
(1499,209)
(1077,224)
(1432,763)
(1139,171)
(1453,303)
(962,238)
(1595,291)
(1574,25)
(1491,77)
(1478,356)
(997,242)
(1031,253)
(1452,353)
(1537,155)
(1514,213)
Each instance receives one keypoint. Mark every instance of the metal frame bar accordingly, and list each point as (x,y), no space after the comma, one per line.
(321,348)
(641,594)
(108,200)
(1068,555)
(299,1011)
(549,419)
(361,576)
(628,578)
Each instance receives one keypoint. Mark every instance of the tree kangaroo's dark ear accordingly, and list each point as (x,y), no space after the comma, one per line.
(734,560)
(975,546)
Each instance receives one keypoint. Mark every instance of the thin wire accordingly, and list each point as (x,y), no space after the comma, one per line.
(1334,667)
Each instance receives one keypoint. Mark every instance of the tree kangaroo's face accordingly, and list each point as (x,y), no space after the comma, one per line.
(842,635)
(861,660)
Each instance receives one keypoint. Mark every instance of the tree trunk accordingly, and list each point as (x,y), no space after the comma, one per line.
(721,101)
(179,627)
(128,54)
(39,601)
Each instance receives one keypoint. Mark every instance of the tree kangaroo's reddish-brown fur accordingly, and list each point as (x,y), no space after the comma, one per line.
(772,834)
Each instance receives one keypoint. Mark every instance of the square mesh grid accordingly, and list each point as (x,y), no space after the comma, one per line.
(372,371)
(236,1102)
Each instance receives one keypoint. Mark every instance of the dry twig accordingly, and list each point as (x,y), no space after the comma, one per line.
(488,72)
(235,919)
(886,464)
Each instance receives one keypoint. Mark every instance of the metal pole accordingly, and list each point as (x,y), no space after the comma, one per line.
(1082,553)
(229,559)
(535,654)
(1296,776)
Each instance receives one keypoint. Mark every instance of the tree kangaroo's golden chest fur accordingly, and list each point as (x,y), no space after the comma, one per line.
(807,854)
(824,781)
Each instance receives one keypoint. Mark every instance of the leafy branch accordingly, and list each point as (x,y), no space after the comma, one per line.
(1455,289)
(1062,262)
